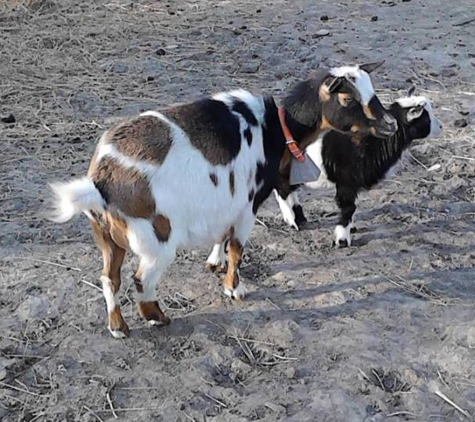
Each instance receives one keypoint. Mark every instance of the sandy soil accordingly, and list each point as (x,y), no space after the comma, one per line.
(369,333)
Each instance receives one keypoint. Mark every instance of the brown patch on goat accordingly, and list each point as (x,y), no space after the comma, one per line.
(325,125)
(231,281)
(162,227)
(369,113)
(355,128)
(214,179)
(117,322)
(231,182)
(123,189)
(324,93)
(138,284)
(343,99)
(144,138)
(151,312)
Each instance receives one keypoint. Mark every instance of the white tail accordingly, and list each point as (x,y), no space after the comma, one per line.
(73,198)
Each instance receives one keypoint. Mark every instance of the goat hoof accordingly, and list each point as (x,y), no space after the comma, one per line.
(342,243)
(301,222)
(239,293)
(117,325)
(163,321)
(216,268)
(121,332)
(353,229)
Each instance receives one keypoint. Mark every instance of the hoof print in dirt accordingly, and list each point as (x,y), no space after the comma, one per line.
(389,382)
(461,123)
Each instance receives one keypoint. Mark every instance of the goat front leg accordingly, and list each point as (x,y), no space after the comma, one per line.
(291,209)
(345,199)
(113,256)
(217,260)
(240,233)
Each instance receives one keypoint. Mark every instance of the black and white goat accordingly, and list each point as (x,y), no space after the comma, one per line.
(354,163)
(196,174)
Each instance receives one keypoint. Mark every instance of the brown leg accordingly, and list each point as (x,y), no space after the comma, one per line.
(231,280)
(148,309)
(113,256)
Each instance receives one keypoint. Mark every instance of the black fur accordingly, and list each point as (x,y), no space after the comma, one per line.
(267,174)
(242,108)
(211,128)
(356,166)
(248,135)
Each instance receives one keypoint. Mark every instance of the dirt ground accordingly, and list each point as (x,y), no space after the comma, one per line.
(382,331)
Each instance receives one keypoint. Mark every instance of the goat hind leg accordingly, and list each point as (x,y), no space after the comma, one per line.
(113,257)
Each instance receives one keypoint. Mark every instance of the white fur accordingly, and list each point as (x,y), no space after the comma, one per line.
(107,290)
(418,101)
(362,81)
(73,198)
(342,232)
(314,151)
(286,205)
(217,256)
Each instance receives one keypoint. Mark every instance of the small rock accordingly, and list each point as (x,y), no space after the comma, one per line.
(150,78)
(37,307)
(160,52)
(277,408)
(321,33)
(374,18)
(291,283)
(461,123)
(8,119)
(324,18)
(290,372)
(250,67)
(464,112)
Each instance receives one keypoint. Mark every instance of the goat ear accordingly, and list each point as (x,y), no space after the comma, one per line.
(370,67)
(411,91)
(335,85)
(414,113)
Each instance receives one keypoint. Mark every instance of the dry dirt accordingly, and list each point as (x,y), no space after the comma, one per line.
(369,333)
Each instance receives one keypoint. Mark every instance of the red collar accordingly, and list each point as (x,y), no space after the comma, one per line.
(291,143)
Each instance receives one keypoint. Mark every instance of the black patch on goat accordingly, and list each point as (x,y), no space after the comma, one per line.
(248,135)
(214,179)
(267,174)
(211,127)
(231,182)
(242,108)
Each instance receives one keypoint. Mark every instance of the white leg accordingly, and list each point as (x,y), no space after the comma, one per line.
(217,259)
(342,235)
(286,207)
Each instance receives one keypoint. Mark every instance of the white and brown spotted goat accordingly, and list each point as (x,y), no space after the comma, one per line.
(195,174)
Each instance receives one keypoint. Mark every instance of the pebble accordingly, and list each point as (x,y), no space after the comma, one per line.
(275,407)
(160,52)
(461,123)
(8,119)
(321,33)
(324,18)
(374,18)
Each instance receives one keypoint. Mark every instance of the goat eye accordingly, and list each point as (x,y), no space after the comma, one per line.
(348,100)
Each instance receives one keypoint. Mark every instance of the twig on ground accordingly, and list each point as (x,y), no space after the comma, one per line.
(454,405)
(93,413)
(109,401)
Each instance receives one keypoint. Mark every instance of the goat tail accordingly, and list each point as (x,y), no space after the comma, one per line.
(71,198)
